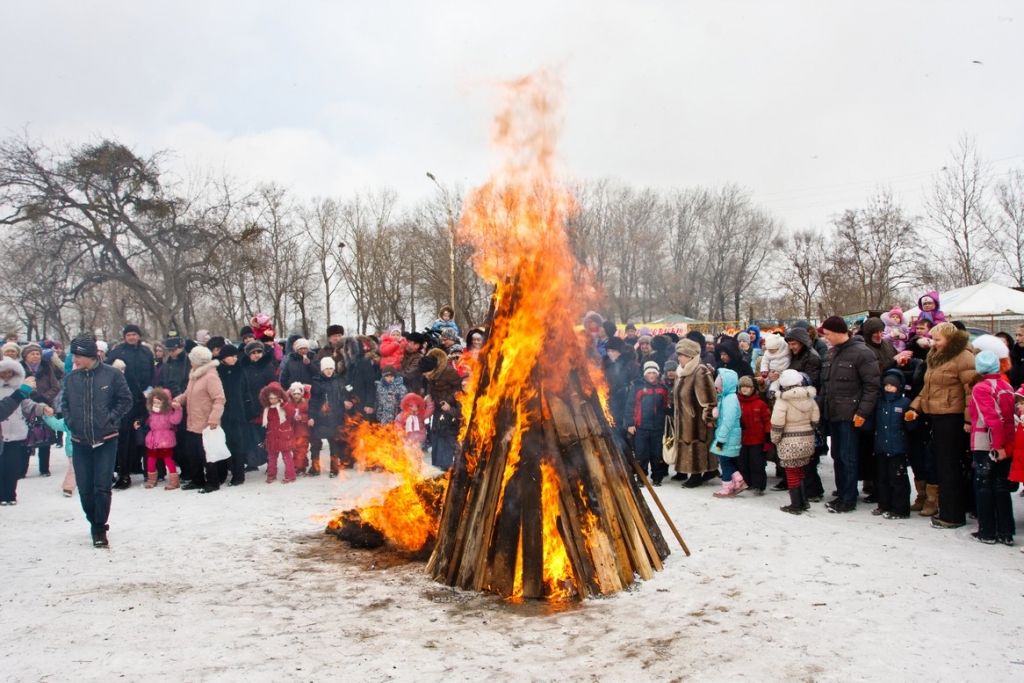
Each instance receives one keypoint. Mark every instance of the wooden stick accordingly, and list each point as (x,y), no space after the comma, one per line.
(657,501)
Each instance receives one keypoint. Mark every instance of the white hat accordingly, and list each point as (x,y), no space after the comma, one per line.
(651,366)
(101,346)
(300,343)
(990,342)
(296,388)
(790,378)
(326,362)
(200,356)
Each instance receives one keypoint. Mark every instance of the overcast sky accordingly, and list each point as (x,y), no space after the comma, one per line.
(811,105)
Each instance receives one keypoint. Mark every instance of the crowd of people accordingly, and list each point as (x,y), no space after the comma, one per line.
(203,413)
(887,400)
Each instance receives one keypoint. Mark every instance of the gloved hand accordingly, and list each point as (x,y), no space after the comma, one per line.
(719,445)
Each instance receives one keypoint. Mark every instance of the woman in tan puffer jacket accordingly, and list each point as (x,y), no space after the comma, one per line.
(947,388)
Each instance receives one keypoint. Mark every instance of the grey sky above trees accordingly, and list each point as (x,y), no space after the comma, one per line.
(689,129)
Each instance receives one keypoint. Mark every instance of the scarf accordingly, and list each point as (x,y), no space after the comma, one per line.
(412,423)
(33,368)
(280,415)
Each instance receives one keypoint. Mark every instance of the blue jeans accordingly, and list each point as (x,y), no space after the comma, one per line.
(845,448)
(728,467)
(94,473)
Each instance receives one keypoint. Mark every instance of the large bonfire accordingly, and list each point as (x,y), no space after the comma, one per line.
(540,502)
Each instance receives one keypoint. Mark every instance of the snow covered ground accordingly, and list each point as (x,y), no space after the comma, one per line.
(243,585)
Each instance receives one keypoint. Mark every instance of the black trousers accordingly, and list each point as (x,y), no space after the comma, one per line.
(948,443)
(647,448)
(236,444)
(892,485)
(12,459)
(751,464)
(866,455)
(195,457)
(993,496)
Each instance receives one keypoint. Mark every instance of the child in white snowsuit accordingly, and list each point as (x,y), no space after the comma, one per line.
(775,359)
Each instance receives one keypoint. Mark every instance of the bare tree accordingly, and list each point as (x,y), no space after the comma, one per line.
(1007,228)
(321,222)
(958,213)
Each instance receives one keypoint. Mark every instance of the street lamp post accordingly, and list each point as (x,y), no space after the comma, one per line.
(451,238)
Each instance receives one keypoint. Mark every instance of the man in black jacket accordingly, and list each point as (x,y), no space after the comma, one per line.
(850,384)
(96,398)
(139,366)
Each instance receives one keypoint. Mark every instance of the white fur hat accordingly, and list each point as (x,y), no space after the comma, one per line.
(773,342)
(200,356)
(300,343)
(990,342)
(790,378)
(326,362)
(296,388)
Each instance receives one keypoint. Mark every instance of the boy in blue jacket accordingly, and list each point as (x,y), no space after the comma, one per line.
(645,417)
(892,486)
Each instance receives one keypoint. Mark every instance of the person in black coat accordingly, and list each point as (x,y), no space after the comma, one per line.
(328,402)
(260,370)
(730,356)
(239,412)
(300,365)
(139,366)
(620,374)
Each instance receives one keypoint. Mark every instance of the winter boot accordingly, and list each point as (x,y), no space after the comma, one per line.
(738,485)
(919,502)
(931,503)
(796,502)
(99,537)
(726,491)
(212,479)
(150,480)
(173,482)
(781,485)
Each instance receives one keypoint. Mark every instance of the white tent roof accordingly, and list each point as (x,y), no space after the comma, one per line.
(988,298)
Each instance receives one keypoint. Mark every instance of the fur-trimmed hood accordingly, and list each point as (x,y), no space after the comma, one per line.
(272,389)
(442,363)
(956,344)
(411,400)
(196,373)
(11,365)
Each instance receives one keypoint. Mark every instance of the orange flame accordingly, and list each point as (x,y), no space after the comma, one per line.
(399,512)
(558,574)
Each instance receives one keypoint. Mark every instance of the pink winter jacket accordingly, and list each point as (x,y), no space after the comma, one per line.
(391,352)
(161,429)
(204,398)
(991,409)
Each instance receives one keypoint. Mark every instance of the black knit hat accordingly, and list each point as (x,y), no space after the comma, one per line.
(615,344)
(227,351)
(834,323)
(215,343)
(131,328)
(84,345)
(335,329)
(246,332)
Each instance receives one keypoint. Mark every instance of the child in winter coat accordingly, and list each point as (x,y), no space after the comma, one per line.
(728,434)
(794,419)
(755,425)
(161,429)
(445,319)
(392,349)
(412,419)
(327,399)
(58,425)
(892,485)
(278,419)
(929,307)
(298,408)
(992,439)
(896,330)
(390,392)
(645,417)
(775,359)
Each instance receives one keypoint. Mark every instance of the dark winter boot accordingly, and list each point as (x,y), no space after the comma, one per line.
(99,537)
(796,502)
(212,479)
(805,503)
(123,482)
(781,485)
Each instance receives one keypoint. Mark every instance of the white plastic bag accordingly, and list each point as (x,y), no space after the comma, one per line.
(215,443)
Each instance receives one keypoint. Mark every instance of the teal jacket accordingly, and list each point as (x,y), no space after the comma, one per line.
(728,432)
(57,425)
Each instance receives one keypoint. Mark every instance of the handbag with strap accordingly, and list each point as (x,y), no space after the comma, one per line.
(668,443)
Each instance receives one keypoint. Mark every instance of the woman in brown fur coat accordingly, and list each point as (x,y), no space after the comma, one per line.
(947,387)
(695,398)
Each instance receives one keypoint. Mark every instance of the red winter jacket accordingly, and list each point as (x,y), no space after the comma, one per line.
(299,412)
(755,420)
(391,352)
(280,432)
